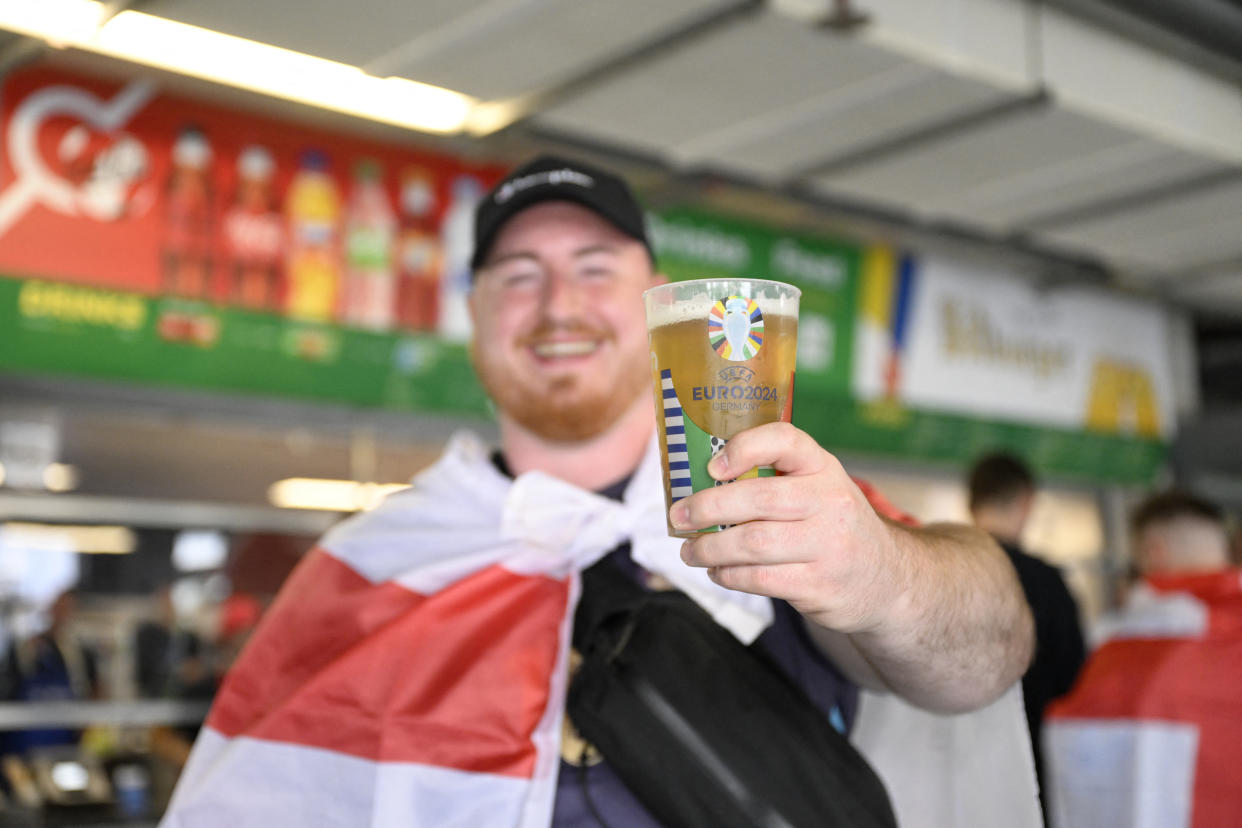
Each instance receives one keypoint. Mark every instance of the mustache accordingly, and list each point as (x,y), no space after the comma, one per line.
(574,327)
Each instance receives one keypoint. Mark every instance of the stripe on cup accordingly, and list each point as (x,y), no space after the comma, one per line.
(679,482)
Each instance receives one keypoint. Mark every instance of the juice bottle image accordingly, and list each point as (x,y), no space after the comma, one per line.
(187,232)
(254,233)
(313,265)
(419,256)
(369,295)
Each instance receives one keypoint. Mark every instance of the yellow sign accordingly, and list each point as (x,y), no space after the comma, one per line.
(69,303)
(1122,400)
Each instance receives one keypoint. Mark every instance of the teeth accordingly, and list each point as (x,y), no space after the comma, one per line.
(565,349)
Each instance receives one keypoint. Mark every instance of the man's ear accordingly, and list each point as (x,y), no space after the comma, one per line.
(1026,504)
(658,278)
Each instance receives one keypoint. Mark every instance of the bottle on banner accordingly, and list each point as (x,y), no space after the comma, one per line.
(369,295)
(313,211)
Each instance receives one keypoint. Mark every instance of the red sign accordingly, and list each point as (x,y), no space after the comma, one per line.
(117,185)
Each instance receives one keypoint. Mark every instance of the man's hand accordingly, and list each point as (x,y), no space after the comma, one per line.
(808,536)
(936,613)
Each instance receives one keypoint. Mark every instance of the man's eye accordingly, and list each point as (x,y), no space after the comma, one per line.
(596,272)
(519,281)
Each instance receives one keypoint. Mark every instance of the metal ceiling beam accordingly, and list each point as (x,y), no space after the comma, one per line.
(1215,25)
(1113,206)
(174,514)
(944,130)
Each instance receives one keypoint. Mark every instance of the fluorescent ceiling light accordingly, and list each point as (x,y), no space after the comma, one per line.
(329,495)
(105,540)
(235,61)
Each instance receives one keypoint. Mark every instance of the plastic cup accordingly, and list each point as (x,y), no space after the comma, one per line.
(722,360)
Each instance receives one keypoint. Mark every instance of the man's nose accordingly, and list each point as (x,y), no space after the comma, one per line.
(563,296)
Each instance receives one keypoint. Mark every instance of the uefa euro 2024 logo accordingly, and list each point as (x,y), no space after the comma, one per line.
(735,328)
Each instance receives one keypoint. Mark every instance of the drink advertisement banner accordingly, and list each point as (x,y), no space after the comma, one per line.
(116,185)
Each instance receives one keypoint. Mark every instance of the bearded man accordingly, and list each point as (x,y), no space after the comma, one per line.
(415,668)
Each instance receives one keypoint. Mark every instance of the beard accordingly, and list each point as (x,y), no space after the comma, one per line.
(563,410)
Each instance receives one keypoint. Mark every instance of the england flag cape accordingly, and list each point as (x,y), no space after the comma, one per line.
(413,670)
(1151,734)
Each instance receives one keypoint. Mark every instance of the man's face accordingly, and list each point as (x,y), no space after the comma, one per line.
(560,338)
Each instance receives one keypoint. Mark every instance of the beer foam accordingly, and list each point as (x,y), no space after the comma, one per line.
(765,293)
(659,316)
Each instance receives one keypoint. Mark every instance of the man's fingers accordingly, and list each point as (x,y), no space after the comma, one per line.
(758,542)
(780,445)
(757,498)
(760,579)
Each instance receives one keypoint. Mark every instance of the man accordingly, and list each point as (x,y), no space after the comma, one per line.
(1152,733)
(50,666)
(454,601)
(1002,490)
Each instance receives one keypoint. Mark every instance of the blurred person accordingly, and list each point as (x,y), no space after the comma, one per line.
(1002,492)
(197,677)
(1152,733)
(167,657)
(414,668)
(50,666)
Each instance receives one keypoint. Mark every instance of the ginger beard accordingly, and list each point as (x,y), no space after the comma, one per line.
(566,406)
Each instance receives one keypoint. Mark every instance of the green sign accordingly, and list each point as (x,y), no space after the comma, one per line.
(694,245)
(842,425)
(60,328)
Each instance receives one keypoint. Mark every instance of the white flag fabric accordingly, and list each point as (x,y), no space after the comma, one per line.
(413,669)
(1151,734)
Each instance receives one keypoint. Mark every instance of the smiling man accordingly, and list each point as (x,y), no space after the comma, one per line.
(414,670)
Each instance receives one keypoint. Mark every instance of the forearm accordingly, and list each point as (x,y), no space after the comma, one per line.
(936,612)
(958,630)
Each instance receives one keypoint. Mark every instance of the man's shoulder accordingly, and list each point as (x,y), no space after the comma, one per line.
(1034,565)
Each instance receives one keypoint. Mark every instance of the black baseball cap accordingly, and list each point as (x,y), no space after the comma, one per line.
(549,178)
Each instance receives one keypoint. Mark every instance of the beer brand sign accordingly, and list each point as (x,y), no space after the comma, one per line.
(942,336)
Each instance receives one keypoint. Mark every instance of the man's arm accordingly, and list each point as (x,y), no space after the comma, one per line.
(935,614)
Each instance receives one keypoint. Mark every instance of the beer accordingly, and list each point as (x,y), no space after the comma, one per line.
(720,365)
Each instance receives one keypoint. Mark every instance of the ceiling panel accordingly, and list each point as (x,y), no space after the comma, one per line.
(542,45)
(840,121)
(1175,233)
(323,27)
(751,70)
(494,49)
(970,175)
(1057,193)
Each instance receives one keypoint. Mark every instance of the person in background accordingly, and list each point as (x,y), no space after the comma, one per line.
(167,657)
(1002,491)
(413,669)
(50,666)
(1152,733)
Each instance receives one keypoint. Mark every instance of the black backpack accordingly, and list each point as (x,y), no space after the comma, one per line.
(703,730)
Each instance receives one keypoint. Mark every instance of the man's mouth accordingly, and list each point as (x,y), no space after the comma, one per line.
(561,350)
